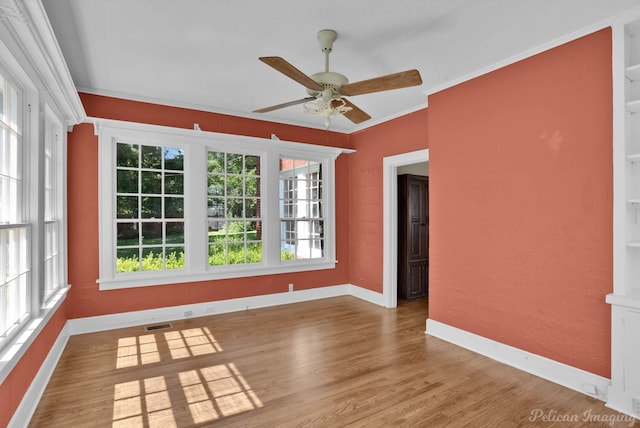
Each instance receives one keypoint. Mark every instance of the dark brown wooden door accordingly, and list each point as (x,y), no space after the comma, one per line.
(417,218)
(413,236)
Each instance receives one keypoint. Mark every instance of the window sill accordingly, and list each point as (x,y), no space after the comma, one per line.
(181,276)
(18,346)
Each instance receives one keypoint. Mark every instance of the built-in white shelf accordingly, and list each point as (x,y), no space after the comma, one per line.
(633,72)
(634,157)
(625,301)
(629,300)
(633,106)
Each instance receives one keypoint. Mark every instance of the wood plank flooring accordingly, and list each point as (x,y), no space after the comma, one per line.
(327,363)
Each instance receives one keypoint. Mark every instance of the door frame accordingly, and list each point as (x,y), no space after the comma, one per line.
(390,166)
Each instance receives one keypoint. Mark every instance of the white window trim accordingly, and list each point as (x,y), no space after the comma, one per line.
(31,58)
(196,143)
(59,201)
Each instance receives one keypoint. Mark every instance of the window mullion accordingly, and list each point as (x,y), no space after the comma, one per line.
(34,182)
(270,208)
(328,208)
(195,195)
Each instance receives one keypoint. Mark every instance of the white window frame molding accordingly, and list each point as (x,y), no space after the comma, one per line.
(196,143)
(32,58)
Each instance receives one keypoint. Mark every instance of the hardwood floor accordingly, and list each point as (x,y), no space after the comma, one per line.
(326,363)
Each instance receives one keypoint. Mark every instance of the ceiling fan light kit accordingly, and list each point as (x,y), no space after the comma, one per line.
(326,89)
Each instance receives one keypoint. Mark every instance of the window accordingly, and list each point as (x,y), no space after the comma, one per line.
(24,291)
(14,246)
(54,231)
(301,218)
(149,207)
(37,100)
(180,205)
(233,208)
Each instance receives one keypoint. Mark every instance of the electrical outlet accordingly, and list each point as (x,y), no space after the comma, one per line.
(291,287)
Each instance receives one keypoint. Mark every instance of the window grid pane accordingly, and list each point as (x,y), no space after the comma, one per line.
(301,218)
(234,220)
(14,272)
(53,270)
(10,157)
(149,208)
(51,259)
(14,245)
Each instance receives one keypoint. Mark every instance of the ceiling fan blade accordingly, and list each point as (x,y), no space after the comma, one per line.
(290,71)
(404,79)
(355,115)
(283,105)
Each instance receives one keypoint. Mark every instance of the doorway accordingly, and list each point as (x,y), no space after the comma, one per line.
(391,164)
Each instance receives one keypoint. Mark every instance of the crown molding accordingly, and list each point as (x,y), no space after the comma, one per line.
(30,38)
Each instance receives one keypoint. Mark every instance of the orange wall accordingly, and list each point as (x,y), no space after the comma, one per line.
(405,134)
(521,204)
(17,383)
(85,298)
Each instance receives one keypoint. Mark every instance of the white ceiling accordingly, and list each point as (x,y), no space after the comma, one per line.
(204,54)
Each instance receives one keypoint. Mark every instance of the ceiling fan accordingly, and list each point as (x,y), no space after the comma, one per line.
(327,89)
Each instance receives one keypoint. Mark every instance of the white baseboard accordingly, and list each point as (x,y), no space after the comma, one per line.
(29,402)
(129,319)
(151,316)
(366,295)
(562,374)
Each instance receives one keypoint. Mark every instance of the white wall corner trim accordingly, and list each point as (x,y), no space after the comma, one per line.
(29,402)
(556,372)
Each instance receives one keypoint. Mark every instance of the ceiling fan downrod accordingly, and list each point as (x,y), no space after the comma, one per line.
(326,39)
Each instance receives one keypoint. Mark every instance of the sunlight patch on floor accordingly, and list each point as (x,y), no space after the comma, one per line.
(142,403)
(191,342)
(207,394)
(217,391)
(137,350)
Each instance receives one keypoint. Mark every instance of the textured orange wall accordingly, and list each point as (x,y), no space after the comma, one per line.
(521,204)
(17,383)
(85,298)
(405,134)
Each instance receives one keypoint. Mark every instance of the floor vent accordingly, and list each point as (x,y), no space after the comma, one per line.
(157,327)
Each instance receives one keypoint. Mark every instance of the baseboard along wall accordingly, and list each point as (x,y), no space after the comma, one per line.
(570,377)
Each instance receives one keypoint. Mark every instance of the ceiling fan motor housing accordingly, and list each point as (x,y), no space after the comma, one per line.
(329,79)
